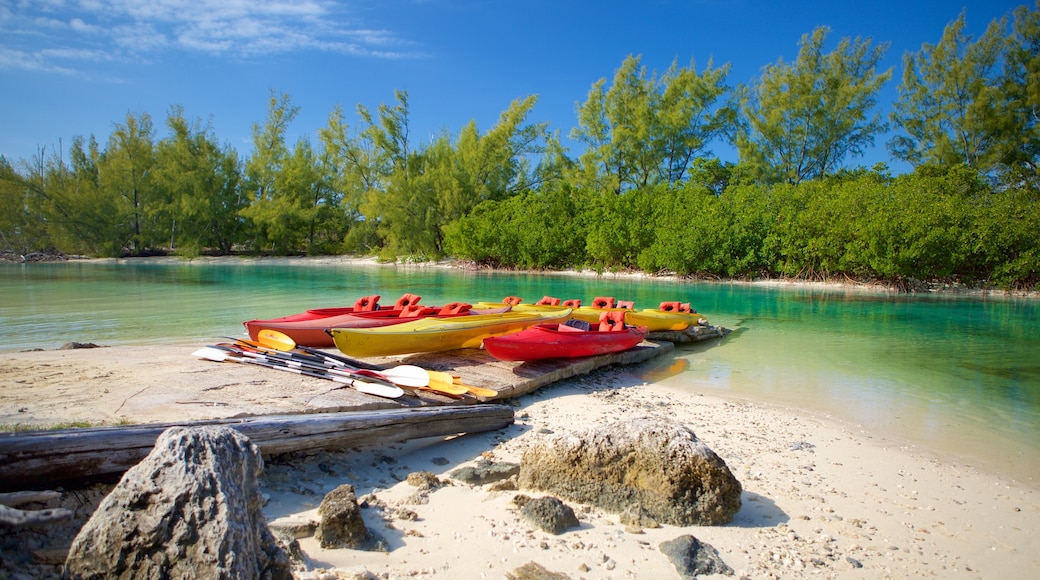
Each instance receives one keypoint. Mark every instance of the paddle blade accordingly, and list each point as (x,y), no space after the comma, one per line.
(406,375)
(478,391)
(210,353)
(274,339)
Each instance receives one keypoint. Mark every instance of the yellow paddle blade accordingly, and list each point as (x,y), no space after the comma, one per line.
(440,376)
(274,339)
(478,391)
(447,388)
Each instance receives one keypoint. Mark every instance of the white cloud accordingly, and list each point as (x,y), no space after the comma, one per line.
(35,33)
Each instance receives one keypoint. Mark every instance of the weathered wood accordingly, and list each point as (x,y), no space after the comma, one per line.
(17,498)
(15,518)
(34,459)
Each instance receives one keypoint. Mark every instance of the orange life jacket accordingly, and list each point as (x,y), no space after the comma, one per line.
(366,304)
(416,310)
(603,302)
(548,301)
(611,321)
(406,300)
(455,308)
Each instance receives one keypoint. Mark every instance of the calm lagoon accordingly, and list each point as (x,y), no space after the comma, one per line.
(955,376)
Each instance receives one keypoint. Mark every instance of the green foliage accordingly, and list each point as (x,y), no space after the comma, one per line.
(805,118)
(126,178)
(199,181)
(952,105)
(643,131)
(535,229)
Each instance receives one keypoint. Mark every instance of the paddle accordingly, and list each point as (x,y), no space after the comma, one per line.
(217,355)
(319,365)
(282,341)
(404,375)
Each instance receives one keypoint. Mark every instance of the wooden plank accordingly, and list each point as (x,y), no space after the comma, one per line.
(30,460)
(513,378)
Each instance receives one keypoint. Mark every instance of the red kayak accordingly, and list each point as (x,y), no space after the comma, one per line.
(544,341)
(311,332)
(363,304)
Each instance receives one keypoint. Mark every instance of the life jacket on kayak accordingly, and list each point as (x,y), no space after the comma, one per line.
(416,310)
(603,302)
(406,300)
(366,303)
(626,304)
(454,308)
(685,307)
(612,321)
(575,303)
(512,300)
(548,301)
(670,307)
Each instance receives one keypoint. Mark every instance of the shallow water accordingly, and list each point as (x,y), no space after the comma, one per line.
(958,376)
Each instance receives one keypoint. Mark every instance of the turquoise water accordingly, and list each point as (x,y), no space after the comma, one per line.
(958,376)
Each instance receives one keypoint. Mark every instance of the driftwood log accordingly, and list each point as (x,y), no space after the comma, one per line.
(11,517)
(36,459)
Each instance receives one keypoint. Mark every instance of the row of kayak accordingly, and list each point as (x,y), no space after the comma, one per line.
(508,330)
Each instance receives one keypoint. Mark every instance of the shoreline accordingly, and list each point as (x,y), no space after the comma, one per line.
(843,284)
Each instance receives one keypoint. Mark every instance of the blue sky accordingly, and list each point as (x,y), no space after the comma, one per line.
(77,67)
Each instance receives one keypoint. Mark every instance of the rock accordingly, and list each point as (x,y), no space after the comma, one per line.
(635,516)
(190,509)
(534,571)
(655,463)
(424,480)
(341,525)
(691,557)
(547,513)
(485,472)
(77,345)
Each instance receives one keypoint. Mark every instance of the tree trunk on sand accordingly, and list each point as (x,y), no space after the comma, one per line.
(41,458)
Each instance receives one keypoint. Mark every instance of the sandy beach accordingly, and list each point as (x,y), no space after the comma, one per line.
(821,499)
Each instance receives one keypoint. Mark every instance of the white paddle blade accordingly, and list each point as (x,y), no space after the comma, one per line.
(407,375)
(210,353)
(378,390)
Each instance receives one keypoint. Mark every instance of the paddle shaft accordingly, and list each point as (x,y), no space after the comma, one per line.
(318,364)
(391,391)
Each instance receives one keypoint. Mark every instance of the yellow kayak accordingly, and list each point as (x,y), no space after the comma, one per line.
(525,307)
(434,335)
(653,319)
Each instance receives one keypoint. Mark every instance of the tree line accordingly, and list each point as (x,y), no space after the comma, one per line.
(645,192)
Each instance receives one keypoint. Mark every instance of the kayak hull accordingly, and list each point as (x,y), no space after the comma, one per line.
(435,335)
(311,332)
(547,341)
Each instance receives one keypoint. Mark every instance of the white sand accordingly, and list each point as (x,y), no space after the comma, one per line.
(818,500)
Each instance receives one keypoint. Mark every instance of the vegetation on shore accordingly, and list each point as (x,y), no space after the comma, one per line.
(645,193)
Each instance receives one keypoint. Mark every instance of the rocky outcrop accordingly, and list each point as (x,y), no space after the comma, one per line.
(659,465)
(190,509)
